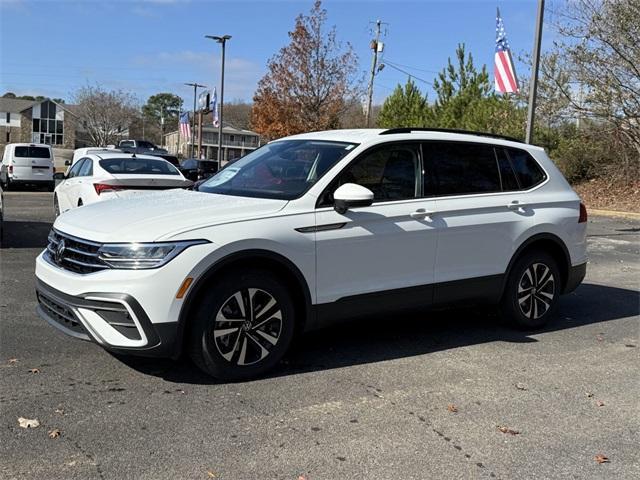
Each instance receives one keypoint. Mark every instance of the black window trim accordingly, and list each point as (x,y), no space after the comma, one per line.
(420,173)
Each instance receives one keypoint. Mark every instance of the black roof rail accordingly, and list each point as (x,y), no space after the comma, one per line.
(391,131)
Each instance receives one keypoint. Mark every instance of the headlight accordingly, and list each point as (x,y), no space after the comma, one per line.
(137,256)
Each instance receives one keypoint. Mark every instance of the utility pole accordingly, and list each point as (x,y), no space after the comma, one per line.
(162,126)
(374,64)
(222,40)
(193,120)
(534,77)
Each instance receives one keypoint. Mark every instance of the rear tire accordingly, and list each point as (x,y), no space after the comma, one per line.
(243,326)
(532,291)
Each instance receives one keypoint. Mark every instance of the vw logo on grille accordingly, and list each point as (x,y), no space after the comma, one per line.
(60,249)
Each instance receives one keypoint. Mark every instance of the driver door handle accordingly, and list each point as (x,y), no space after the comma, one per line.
(421,213)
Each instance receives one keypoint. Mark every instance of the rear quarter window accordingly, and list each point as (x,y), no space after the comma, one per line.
(32,152)
(527,170)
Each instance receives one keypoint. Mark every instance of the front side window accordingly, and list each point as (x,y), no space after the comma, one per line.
(75,169)
(283,169)
(527,169)
(138,166)
(391,172)
(463,168)
(87,168)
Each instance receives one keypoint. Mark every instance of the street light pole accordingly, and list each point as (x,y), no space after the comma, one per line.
(222,41)
(193,122)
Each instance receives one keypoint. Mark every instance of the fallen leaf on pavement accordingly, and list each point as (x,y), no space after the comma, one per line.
(600,458)
(12,361)
(600,403)
(302,477)
(59,410)
(210,474)
(55,433)
(521,386)
(28,422)
(600,338)
(34,370)
(452,408)
(508,430)
(588,394)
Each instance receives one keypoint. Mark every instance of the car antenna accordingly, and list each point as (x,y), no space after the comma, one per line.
(133,155)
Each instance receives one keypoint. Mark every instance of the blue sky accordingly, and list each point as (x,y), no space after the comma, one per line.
(53,47)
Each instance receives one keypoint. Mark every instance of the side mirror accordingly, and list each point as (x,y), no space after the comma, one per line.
(351,195)
(67,163)
(59,176)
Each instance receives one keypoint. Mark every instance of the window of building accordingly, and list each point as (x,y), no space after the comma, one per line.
(8,117)
(47,129)
(8,136)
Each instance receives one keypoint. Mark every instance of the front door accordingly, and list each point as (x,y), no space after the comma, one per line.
(385,250)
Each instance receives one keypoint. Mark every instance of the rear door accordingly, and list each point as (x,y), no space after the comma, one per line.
(480,221)
(32,163)
(68,190)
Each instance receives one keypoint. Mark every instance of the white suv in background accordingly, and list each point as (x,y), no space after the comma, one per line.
(313,228)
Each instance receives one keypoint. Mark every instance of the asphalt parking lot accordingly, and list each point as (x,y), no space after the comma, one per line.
(413,398)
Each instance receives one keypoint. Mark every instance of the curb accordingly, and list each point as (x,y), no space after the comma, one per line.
(614,213)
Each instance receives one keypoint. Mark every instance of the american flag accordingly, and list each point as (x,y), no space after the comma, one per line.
(503,69)
(185,128)
(214,107)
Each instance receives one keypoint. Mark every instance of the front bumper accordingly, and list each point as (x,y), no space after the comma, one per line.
(116,321)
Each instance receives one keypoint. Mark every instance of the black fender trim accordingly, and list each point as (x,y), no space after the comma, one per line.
(200,282)
(528,242)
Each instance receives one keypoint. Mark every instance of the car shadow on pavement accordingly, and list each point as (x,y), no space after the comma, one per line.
(377,339)
(25,234)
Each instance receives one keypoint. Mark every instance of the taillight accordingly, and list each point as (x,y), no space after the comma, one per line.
(10,168)
(583,213)
(103,187)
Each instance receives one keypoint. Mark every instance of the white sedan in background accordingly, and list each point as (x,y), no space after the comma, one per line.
(106,175)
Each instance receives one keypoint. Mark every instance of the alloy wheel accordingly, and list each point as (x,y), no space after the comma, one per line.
(247,326)
(536,290)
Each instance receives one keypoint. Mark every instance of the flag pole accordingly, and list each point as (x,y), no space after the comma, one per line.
(534,74)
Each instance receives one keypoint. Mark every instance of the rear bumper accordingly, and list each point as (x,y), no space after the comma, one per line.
(575,277)
(26,181)
(115,321)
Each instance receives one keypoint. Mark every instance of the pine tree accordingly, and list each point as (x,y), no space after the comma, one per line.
(405,107)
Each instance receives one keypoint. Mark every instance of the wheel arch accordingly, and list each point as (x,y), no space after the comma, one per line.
(255,258)
(549,243)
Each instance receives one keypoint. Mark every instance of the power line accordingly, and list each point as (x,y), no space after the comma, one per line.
(385,60)
(409,74)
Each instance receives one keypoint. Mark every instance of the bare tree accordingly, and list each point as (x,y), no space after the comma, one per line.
(104,114)
(601,48)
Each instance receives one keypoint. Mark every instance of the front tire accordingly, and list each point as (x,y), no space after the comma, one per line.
(243,326)
(532,291)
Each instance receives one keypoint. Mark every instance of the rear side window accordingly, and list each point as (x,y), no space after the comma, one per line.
(32,152)
(138,166)
(462,168)
(527,169)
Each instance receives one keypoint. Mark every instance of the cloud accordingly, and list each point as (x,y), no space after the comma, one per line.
(241,75)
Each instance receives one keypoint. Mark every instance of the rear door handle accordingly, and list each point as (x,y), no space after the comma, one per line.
(421,213)
(516,205)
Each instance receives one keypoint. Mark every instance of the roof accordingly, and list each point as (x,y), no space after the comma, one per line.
(378,135)
(15,105)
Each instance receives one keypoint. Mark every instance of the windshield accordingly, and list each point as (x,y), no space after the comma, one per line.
(283,170)
(138,166)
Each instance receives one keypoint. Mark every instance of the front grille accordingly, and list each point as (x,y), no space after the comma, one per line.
(60,313)
(74,254)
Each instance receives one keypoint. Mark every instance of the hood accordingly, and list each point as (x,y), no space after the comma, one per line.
(160,215)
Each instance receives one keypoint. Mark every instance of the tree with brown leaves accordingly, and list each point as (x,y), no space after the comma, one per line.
(310,83)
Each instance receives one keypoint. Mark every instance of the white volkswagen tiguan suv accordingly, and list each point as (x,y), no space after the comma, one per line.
(314,228)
